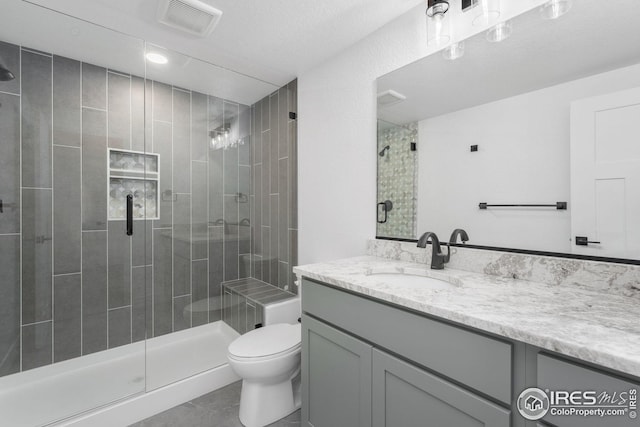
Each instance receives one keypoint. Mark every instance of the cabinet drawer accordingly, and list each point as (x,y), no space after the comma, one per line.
(560,375)
(406,396)
(475,360)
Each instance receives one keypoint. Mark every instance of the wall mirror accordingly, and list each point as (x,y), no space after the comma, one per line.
(548,118)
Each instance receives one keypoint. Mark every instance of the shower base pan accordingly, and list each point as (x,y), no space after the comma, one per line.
(123,385)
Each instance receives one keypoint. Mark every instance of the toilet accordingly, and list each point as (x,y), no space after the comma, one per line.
(268,361)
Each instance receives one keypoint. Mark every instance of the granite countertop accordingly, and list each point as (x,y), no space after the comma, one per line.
(590,325)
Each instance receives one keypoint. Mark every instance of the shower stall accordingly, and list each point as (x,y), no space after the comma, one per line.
(127,199)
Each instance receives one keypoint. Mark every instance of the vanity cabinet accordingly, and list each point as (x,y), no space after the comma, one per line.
(352,376)
(366,363)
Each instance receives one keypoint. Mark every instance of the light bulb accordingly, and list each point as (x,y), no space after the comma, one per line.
(453,51)
(499,32)
(438,30)
(554,9)
(487,13)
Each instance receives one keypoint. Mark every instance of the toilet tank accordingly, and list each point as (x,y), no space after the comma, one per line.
(284,311)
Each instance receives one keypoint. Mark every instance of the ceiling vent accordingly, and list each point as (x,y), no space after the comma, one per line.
(192,16)
(390,97)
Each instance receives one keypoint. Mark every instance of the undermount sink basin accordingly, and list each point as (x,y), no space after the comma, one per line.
(411,281)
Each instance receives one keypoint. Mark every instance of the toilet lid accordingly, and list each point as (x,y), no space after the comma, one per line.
(267,341)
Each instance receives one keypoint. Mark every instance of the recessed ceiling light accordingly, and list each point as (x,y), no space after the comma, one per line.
(156,58)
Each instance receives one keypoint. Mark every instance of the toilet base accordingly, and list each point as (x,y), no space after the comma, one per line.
(262,404)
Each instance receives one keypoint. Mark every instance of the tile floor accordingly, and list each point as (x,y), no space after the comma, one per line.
(216,409)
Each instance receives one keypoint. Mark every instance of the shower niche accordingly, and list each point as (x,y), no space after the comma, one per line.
(135,173)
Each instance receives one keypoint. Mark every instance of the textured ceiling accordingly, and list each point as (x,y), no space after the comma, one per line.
(271,40)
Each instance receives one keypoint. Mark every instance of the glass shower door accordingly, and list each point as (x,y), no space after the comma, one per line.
(72,280)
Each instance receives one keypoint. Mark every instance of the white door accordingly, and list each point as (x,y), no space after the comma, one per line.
(605,174)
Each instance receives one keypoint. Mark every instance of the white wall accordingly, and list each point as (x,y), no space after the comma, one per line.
(523,157)
(337,135)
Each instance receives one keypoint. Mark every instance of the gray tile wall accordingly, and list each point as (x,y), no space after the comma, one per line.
(80,285)
(274,188)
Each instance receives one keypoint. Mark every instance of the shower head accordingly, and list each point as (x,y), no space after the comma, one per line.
(5,74)
(384,150)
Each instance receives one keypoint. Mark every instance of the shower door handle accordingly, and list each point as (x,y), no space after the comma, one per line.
(129,215)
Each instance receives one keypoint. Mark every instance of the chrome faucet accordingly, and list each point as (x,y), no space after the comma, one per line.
(458,232)
(438,259)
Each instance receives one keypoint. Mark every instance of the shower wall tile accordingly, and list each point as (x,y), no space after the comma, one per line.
(275,141)
(10,304)
(67,210)
(283,123)
(36,255)
(216,189)
(36,120)
(119,107)
(181,141)
(199,214)
(94,86)
(266,177)
(230,170)
(162,277)
(256,225)
(181,320)
(231,249)
(36,345)
(94,169)
(10,53)
(283,210)
(66,102)
(141,250)
(10,162)
(216,266)
(244,148)
(200,291)
(293,174)
(257,133)
(94,291)
(266,253)
(162,102)
(141,288)
(119,326)
(162,145)
(266,113)
(138,115)
(119,265)
(182,246)
(67,317)
(273,278)
(199,127)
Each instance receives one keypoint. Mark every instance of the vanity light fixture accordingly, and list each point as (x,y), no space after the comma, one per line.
(438,23)
(453,51)
(554,9)
(499,32)
(156,58)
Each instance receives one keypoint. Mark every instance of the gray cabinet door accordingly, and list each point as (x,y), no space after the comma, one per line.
(404,395)
(336,377)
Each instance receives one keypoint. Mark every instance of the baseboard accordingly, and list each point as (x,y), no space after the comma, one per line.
(139,407)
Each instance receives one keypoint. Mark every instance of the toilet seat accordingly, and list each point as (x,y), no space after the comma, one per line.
(267,343)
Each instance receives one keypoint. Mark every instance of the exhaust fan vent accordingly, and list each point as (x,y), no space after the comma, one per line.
(192,16)
(390,97)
